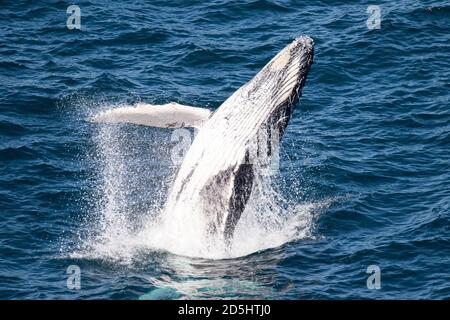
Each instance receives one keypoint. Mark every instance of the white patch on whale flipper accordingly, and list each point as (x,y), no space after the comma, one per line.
(170,115)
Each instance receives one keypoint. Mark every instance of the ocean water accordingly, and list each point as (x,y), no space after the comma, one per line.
(364,164)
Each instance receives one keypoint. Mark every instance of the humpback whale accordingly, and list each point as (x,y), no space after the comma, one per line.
(216,176)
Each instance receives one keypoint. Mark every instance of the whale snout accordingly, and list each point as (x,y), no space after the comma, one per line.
(298,52)
(304,41)
(302,48)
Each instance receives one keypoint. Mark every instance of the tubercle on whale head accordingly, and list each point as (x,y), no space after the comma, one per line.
(304,41)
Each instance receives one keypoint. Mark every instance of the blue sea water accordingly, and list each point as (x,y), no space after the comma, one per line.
(365,158)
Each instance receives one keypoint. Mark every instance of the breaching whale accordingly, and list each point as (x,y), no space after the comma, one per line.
(216,176)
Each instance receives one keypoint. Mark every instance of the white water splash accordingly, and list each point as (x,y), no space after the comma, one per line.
(268,220)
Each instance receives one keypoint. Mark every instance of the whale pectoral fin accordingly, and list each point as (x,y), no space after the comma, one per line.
(171,115)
